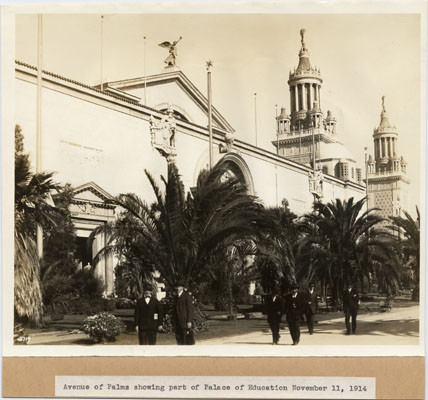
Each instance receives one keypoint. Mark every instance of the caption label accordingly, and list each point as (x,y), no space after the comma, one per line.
(266,387)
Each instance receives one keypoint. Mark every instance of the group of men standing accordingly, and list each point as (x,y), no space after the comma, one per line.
(148,316)
(297,305)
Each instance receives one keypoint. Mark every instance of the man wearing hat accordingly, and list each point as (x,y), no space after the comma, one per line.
(351,301)
(148,317)
(183,316)
(311,306)
(293,311)
(274,305)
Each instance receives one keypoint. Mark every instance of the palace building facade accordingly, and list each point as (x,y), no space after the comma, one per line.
(101,139)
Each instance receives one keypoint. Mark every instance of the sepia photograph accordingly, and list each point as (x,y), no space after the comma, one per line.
(240,183)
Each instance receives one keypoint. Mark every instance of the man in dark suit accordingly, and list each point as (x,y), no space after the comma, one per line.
(351,301)
(274,305)
(148,317)
(293,311)
(183,316)
(311,307)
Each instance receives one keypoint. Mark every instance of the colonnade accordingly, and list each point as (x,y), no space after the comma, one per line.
(385,147)
(302,96)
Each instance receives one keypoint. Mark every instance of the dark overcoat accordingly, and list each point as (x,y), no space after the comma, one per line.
(311,302)
(148,317)
(274,309)
(294,307)
(350,301)
(184,310)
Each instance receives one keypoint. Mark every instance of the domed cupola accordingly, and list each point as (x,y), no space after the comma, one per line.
(283,121)
(330,123)
(385,142)
(305,84)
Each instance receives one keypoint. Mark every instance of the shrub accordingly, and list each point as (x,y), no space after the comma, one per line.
(124,303)
(103,326)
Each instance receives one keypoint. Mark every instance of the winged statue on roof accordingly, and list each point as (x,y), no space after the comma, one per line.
(172,48)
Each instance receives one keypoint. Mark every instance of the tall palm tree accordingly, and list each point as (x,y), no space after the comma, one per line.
(277,248)
(407,231)
(32,207)
(179,233)
(336,234)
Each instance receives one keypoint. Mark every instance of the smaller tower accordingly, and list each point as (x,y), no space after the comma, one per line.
(283,121)
(387,179)
(330,123)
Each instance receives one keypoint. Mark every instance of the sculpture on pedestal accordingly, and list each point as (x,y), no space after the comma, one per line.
(316,179)
(163,135)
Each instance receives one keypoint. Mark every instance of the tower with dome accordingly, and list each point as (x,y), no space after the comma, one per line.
(387,171)
(306,135)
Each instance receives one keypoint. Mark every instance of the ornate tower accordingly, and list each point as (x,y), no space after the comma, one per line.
(387,179)
(305,90)
(305,135)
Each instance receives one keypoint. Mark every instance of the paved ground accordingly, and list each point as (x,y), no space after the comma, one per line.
(397,327)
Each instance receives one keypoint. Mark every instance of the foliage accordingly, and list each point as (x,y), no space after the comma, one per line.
(178,234)
(407,231)
(27,293)
(32,207)
(103,326)
(229,274)
(124,303)
(336,235)
(71,303)
(277,251)
(199,317)
(129,278)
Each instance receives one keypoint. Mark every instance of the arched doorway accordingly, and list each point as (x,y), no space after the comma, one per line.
(237,167)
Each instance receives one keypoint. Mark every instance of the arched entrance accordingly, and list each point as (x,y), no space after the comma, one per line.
(237,167)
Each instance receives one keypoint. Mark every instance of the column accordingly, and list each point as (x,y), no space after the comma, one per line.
(389,147)
(319,95)
(292,105)
(310,96)
(304,97)
(296,98)
(109,274)
(383,147)
(300,90)
(393,147)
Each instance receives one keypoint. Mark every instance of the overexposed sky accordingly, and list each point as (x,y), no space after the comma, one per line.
(362,57)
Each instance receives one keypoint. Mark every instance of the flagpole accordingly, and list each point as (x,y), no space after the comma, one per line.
(367,181)
(39,231)
(145,76)
(101,55)
(255,114)
(277,129)
(210,129)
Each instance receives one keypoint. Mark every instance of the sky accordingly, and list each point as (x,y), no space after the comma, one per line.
(362,57)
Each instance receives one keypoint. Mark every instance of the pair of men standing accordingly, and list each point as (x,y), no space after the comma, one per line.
(293,305)
(148,317)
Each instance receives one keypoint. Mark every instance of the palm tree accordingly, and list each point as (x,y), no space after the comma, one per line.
(407,231)
(178,234)
(32,207)
(336,235)
(277,249)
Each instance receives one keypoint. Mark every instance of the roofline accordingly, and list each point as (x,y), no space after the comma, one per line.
(117,96)
(180,76)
